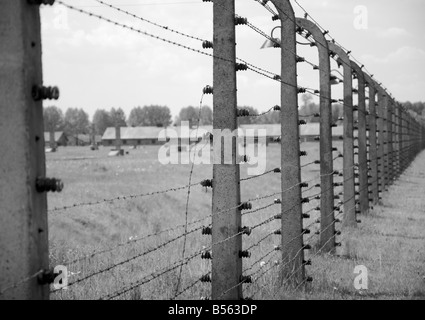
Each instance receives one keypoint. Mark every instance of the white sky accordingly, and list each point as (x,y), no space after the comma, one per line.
(99,65)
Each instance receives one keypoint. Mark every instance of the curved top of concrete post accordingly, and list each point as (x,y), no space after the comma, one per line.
(314,30)
(369,80)
(358,70)
(340,52)
(284,9)
(381,90)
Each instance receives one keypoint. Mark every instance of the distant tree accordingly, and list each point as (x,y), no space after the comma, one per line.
(76,122)
(137,117)
(117,117)
(190,114)
(313,108)
(306,98)
(408,105)
(101,120)
(53,119)
(154,115)
(272,117)
(417,107)
(160,116)
(308,107)
(337,112)
(206,116)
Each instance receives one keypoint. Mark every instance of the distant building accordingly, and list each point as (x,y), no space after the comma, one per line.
(131,136)
(83,140)
(60,139)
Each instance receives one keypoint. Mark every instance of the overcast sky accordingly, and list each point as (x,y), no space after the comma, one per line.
(99,65)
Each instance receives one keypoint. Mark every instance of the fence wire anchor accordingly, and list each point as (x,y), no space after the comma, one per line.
(43,93)
(46,277)
(49,185)
(245,230)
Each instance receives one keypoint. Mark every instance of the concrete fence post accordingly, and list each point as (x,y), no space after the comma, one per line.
(395,141)
(118,141)
(52,141)
(390,128)
(94,145)
(292,224)
(406,142)
(362,141)
(381,140)
(23,206)
(373,152)
(226,262)
(385,141)
(327,224)
(348,142)
(407,137)
(399,124)
(402,134)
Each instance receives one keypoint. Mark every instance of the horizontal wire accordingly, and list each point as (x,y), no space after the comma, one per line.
(148,21)
(296,255)
(260,241)
(125,197)
(259,209)
(266,6)
(131,241)
(151,277)
(258,260)
(20,282)
(101,271)
(263,113)
(260,175)
(309,164)
(242,282)
(185,261)
(188,288)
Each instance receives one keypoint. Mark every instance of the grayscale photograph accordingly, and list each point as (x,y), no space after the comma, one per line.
(193,151)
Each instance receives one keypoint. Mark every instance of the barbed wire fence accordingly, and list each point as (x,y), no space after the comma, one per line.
(249,239)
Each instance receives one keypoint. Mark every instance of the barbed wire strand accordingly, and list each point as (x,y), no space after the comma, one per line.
(101,271)
(185,261)
(188,196)
(167,28)
(20,282)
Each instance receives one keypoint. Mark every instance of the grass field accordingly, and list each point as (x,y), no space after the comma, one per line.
(388,242)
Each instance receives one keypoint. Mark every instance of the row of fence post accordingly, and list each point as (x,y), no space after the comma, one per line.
(388,138)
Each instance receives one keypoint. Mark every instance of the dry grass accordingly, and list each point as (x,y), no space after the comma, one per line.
(388,242)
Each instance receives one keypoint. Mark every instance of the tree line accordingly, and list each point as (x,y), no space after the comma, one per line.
(76,121)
